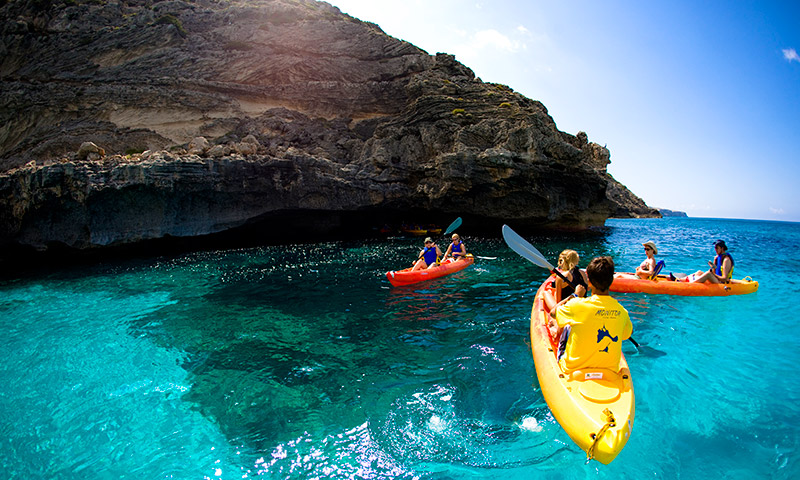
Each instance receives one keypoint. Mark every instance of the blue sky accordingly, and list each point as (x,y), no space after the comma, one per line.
(699,102)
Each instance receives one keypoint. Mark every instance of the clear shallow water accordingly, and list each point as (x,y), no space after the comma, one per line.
(302,362)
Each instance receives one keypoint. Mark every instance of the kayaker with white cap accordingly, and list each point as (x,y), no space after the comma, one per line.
(428,255)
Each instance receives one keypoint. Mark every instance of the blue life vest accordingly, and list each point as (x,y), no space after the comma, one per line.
(455,249)
(718,264)
(429,255)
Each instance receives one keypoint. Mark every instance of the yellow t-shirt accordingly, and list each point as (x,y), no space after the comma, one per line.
(599,324)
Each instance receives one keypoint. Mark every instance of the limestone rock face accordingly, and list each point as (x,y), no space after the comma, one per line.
(215,115)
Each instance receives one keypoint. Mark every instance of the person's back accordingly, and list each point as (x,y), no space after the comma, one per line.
(596,326)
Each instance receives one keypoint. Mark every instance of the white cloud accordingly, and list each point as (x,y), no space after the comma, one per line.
(493,39)
(457,32)
(477,47)
(776,211)
(790,54)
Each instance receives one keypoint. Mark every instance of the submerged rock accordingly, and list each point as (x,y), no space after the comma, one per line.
(265,112)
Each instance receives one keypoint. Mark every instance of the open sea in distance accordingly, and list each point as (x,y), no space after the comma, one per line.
(302,361)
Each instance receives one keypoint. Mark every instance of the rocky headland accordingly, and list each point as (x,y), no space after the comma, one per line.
(127,121)
(665,212)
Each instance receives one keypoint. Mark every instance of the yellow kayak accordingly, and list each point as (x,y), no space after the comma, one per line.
(594,406)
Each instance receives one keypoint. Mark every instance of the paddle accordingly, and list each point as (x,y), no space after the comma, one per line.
(529,252)
(456,223)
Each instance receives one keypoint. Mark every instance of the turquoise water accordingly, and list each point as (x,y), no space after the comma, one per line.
(302,362)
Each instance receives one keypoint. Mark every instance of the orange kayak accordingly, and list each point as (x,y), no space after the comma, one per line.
(596,407)
(407,277)
(630,283)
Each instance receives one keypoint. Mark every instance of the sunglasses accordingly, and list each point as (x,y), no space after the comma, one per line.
(647,248)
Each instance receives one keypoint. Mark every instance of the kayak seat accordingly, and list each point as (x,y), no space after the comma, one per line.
(657,270)
(600,391)
(598,384)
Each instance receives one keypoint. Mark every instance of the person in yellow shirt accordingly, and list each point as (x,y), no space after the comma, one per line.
(592,329)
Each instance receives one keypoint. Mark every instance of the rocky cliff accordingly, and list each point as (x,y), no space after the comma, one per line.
(207,116)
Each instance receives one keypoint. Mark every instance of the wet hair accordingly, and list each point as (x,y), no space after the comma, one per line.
(568,259)
(601,272)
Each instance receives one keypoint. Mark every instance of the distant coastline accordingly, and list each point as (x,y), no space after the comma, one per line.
(671,213)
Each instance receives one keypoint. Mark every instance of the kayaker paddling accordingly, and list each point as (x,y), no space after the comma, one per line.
(428,256)
(457,249)
(568,266)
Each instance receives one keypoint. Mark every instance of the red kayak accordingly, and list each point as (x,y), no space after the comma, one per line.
(407,277)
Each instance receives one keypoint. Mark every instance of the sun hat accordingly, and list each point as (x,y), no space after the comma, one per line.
(720,243)
(428,239)
(652,245)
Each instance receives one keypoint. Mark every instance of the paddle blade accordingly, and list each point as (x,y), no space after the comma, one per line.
(456,223)
(524,248)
